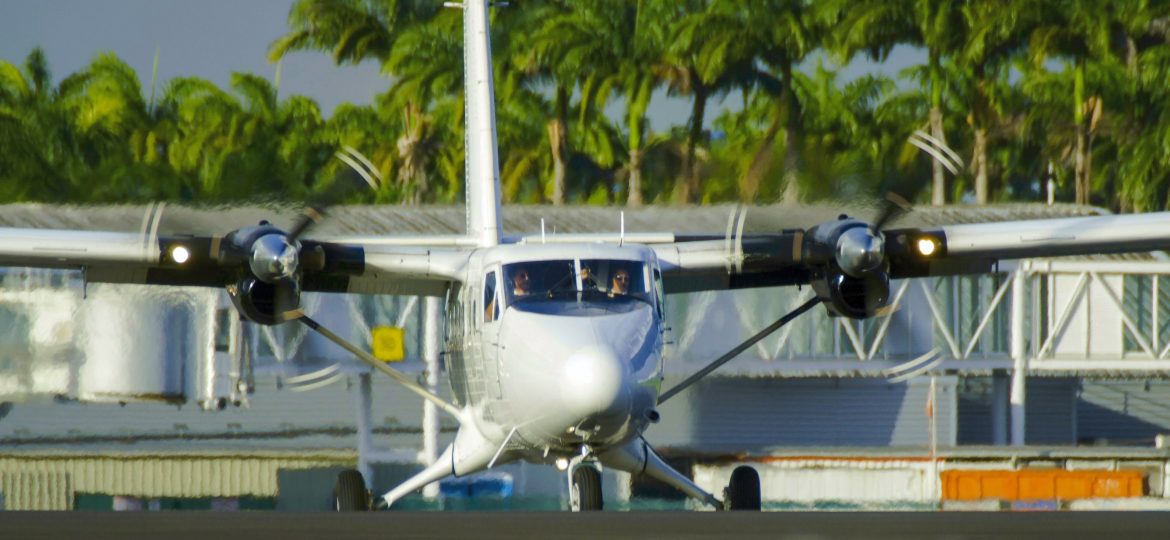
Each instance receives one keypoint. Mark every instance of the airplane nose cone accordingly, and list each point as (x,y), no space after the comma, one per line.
(594,383)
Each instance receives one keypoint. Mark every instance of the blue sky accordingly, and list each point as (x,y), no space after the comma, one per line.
(203,38)
(213,38)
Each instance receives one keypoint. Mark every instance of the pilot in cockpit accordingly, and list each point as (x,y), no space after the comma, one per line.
(521,286)
(521,283)
(587,281)
(620,284)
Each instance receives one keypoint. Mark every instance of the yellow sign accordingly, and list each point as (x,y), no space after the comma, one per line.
(388,346)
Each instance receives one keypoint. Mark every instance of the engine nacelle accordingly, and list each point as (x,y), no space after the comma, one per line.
(846,244)
(853,297)
(267,281)
(265,303)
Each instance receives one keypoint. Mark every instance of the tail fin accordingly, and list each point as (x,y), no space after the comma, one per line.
(483,169)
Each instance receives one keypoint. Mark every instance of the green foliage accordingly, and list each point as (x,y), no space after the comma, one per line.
(1019,85)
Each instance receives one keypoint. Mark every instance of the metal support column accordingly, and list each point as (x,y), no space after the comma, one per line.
(1019,355)
(365,433)
(432,326)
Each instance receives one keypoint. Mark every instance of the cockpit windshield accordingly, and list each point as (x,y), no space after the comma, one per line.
(610,285)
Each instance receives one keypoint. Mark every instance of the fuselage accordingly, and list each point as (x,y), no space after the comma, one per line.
(557,348)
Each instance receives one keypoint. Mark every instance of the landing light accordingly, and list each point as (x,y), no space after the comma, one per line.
(180,254)
(927,246)
(562,464)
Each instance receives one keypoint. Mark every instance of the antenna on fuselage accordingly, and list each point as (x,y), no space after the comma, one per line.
(541,230)
(622,233)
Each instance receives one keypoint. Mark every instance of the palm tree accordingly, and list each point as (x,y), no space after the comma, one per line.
(1142,129)
(40,152)
(1084,33)
(996,39)
(617,46)
(777,34)
(549,59)
(875,27)
(418,43)
(124,139)
(427,66)
(362,128)
(228,148)
(692,69)
(351,30)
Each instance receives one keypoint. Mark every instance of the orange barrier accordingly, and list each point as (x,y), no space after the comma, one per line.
(1041,484)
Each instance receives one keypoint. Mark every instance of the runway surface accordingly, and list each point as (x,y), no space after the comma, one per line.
(540,525)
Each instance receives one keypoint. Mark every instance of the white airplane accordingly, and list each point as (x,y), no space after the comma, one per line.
(554,346)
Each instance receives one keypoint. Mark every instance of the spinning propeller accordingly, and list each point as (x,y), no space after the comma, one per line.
(848,262)
(264,267)
(851,260)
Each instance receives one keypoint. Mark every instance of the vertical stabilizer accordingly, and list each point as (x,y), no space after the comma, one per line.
(483,168)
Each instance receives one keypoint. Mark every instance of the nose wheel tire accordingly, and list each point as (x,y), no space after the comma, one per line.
(743,492)
(585,490)
(349,493)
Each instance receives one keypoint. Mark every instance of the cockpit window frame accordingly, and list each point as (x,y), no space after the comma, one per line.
(491,296)
(548,280)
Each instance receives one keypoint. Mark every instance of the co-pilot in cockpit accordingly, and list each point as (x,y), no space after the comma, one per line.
(578,286)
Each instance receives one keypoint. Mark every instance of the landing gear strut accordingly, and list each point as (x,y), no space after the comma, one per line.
(585,490)
(349,493)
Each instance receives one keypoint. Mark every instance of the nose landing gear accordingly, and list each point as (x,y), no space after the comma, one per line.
(585,489)
(349,493)
(743,491)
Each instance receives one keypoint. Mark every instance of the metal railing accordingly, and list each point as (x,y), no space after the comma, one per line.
(1077,316)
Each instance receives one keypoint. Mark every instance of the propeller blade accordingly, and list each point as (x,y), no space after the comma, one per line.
(287,300)
(316,211)
(937,150)
(309,217)
(896,202)
(361,165)
(893,206)
(918,366)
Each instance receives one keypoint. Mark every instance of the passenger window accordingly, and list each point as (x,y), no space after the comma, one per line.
(658,294)
(491,310)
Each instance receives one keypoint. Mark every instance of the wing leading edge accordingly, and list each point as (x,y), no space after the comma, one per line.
(798,257)
(132,258)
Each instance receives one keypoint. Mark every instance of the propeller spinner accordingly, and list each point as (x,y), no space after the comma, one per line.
(274,257)
(860,251)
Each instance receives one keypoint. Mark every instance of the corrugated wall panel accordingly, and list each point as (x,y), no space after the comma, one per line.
(37,490)
(1051,417)
(148,476)
(975,394)
(1127,412)
(1051,411)
(725,413)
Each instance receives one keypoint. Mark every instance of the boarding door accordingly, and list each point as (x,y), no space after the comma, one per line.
(493,307)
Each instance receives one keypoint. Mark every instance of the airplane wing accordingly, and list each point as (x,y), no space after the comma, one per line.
(122,257)
(850,262)
(261,267)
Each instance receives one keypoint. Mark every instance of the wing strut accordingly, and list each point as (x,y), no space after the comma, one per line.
(738,349)
(368,358)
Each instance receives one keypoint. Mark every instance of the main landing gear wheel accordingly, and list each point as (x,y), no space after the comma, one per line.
(585,490)
(743,492)
(349,493)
